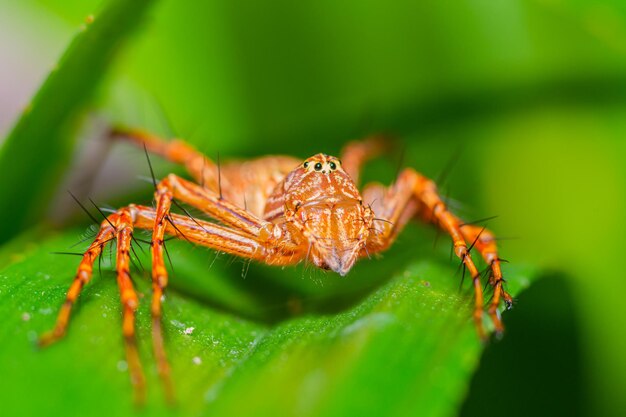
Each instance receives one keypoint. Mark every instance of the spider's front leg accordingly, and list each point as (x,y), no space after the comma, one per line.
(265,245)
(118,225)
(174,187)
(248,237)
(415,195)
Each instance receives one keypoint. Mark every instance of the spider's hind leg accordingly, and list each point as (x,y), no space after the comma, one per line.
(357,153)
(201,168)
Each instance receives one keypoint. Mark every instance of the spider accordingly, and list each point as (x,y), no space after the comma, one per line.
(278,210)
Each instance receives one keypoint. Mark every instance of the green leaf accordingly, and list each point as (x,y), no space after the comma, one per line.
(401,344)
(38,148)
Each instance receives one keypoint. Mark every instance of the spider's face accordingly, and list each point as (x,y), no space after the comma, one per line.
(325,208)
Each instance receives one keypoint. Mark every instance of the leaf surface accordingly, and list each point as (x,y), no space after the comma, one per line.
(407,346)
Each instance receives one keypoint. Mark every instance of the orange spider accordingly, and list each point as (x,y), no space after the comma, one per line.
(281,211)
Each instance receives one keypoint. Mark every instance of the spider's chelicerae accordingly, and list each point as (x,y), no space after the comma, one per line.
(281,211)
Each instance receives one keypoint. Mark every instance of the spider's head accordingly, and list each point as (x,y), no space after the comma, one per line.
(324,208)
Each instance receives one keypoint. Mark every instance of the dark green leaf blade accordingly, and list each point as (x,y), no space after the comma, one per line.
(408,348)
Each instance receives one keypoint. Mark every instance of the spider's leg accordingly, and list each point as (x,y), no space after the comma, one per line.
(163,197)
(413,194)
(356,153)
(129,300)
(83,276)
(247,241)
(213,205)
(485,244)
(201,168)
(270,247)
(118,225)
(210,202)
(224,239)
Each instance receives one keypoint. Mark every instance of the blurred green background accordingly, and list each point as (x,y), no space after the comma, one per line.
(530,93)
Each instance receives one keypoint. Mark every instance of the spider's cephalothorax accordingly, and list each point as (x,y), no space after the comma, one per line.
(280,211)
(323,209)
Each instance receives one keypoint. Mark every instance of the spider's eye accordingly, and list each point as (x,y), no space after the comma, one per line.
(318,166)
(333,166)
(306,164)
